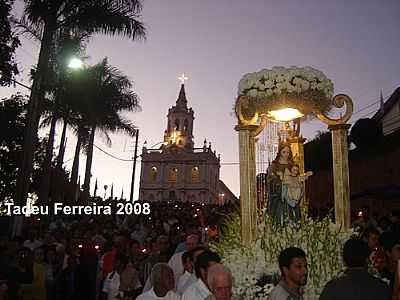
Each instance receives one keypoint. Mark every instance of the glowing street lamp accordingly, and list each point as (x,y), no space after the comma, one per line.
(284,114)
(75,63)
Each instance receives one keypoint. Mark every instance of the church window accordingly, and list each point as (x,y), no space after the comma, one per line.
(173,175)
(176,127)
(185,125)
(195,174)
(153,174)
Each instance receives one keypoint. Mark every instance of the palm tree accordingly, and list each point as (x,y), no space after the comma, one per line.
(106,92)
(59,108)
(92,16)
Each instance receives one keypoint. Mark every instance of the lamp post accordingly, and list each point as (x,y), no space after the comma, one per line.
(134,165)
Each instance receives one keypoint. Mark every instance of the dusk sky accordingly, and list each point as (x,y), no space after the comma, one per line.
(354,42)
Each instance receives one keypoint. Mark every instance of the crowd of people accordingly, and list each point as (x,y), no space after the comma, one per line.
(154,256)
(371,258)
(165,255)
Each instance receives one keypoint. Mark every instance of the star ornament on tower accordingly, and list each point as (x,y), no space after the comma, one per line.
(183,78)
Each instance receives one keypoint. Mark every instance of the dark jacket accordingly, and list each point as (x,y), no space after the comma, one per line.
(356,284)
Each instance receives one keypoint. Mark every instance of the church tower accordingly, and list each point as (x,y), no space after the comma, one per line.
(178,171)
(180,119)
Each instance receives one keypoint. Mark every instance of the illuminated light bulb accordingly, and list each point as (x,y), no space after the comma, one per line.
(285,114)
(80,246)
(75,63)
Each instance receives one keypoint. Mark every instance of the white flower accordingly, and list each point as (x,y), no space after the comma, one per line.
(253,93)
(269,84)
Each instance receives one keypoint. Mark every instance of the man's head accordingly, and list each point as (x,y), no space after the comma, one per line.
(192,241)
(162,243)
(134,248)
(371,236)
(203,262)
(162,279)
(355,253)
(120,244)
(293,266)
(120,263)
(395,216)
(219,280)
(390,242)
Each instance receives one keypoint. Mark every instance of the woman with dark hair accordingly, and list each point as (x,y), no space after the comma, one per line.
(283,162)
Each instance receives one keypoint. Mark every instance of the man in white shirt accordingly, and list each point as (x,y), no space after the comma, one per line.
(176,260)
(199,290)
(162,279)
(111,287)
(185,279)
(219,280)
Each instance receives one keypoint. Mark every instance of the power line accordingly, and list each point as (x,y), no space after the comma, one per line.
(371,104)
(21,84)
(113,156)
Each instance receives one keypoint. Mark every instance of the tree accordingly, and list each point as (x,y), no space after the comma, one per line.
(12,127)
(92,16)
(58,108)
(8,43)
(366,133)
(105,92)
(318,152)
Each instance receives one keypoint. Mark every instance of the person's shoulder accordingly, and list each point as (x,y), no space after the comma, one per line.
(278,293)
(171,295)
(378,283)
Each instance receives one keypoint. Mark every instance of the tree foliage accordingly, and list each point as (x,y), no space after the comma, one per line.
(318,152)
(12,128)
(366,133)
(8,43)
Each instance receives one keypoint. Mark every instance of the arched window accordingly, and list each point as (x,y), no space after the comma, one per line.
(173,175)
(153,174)
(176,124)
(195,174)
(185,125)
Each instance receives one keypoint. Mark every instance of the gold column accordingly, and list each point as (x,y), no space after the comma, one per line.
(248,203)
(297,147)
(341,174)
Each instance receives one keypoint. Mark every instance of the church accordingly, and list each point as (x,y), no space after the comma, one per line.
(178,171)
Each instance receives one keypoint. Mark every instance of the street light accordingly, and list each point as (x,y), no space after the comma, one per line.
(75,63)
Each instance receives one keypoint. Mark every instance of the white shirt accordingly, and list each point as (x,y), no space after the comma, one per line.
(111,285)
(151,295)
(197,291)
(176,265)
(33,244)
(186,280)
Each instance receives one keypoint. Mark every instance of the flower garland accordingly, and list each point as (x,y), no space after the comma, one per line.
(306,89)
(255,268)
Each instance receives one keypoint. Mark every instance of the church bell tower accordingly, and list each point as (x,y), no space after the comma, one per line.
(180,119)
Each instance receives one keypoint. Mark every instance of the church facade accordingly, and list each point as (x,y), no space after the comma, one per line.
(177,171)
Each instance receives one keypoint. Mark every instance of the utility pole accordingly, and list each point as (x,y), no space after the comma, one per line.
(134,165)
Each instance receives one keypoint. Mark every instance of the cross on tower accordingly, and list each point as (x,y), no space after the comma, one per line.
(183,78)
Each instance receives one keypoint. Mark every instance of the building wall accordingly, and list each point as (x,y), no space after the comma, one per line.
(365,174)
(391,119)
(185,189)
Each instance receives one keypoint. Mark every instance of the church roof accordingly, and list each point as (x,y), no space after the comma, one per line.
(393,99)
(181,102)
